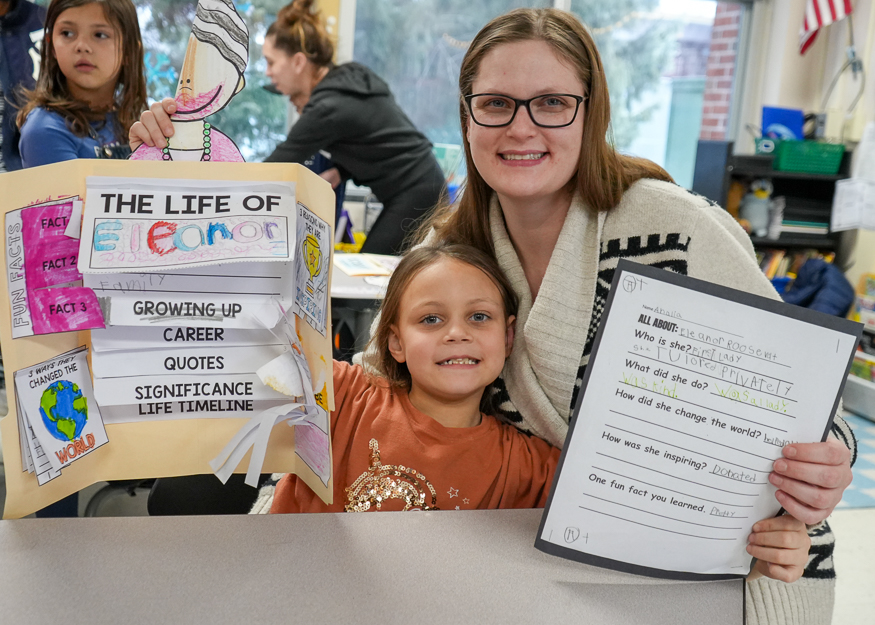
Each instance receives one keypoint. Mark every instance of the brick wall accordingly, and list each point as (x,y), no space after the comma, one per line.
(721,71)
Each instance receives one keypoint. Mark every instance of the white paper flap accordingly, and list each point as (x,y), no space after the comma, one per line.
(132,225)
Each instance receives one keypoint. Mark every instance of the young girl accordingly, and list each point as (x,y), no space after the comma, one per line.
(91,86)
(419,438)
(422,438)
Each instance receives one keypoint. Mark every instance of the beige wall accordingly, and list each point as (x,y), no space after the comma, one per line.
(864,257)
(799,81)
(331,14)
(774,73)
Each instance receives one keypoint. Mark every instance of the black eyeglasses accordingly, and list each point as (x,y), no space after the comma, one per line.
(550,110)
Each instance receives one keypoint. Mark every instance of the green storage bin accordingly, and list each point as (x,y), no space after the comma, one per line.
(809,157)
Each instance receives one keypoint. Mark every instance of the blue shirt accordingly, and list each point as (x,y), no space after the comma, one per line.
(46,139)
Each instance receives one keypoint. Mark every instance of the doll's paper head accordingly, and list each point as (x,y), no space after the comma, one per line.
(216,57)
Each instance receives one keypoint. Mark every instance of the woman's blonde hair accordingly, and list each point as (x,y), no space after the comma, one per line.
(603,174)
(51,92)
(377,355)
(299,29)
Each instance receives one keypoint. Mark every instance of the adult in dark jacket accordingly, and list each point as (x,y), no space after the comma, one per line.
(21,30)
(347,111)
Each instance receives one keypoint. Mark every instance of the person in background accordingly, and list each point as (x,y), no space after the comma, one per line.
(346,111)
(321,162)
(21,30)
(91,88)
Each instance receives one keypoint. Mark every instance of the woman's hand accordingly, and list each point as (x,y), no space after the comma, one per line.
(780,545)
(154,126)
(332,176)
(811,478)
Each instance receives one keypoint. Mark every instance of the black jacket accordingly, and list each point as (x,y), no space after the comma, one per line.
(20,33)
(353,116)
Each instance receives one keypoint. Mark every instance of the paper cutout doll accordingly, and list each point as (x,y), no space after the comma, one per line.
(212,74)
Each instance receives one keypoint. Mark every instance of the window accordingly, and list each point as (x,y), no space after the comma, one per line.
(670,65)
(417,47)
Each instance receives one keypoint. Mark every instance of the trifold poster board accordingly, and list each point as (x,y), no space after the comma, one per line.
(169,349)
(691,393)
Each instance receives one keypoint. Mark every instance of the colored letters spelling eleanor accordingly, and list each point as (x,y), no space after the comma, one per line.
(152,230)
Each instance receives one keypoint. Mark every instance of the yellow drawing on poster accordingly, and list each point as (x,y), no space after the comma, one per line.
(313,258)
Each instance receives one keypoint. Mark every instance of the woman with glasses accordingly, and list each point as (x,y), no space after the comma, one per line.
(345,110)
(558,206)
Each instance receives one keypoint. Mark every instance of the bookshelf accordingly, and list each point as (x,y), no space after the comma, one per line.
(724,177)
(780,264)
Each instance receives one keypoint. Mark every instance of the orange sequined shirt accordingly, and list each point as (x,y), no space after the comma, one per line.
(390,456)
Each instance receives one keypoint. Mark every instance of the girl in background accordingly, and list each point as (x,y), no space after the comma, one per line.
(91,87)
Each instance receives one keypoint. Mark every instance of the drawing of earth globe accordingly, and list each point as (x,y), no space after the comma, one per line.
(64,410)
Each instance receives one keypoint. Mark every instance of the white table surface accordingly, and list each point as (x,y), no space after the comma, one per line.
(353,287)
(381,568)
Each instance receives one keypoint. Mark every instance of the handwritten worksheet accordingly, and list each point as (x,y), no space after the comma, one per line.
(691,393)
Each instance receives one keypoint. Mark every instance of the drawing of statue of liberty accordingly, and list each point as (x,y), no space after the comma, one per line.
(212,74)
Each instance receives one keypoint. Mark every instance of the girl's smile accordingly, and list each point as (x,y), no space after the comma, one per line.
(464,361)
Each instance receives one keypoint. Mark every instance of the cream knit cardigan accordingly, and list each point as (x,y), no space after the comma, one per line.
(663,225)
(656,223)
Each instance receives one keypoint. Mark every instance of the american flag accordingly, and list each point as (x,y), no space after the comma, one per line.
(820,13)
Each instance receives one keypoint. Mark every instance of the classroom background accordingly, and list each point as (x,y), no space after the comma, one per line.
(689,81)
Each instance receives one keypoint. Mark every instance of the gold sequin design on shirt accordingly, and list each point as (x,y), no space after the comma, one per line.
(381,483)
